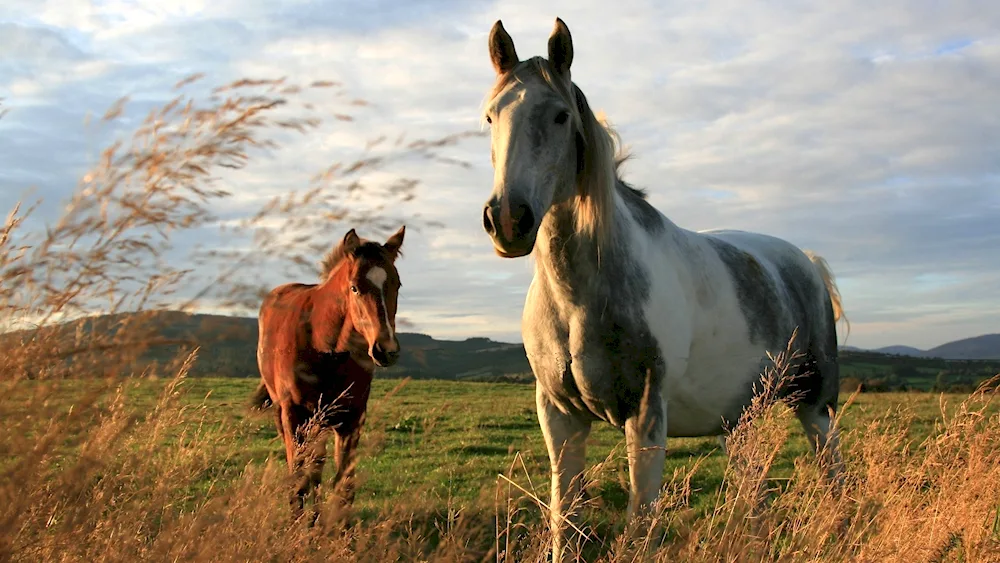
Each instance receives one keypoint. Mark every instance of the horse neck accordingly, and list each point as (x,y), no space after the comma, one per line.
(332,325)
(569,258)
(573,264)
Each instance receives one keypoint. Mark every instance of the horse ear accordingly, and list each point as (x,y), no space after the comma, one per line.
(502,53)
(560,48)
(351,242)
(394,242)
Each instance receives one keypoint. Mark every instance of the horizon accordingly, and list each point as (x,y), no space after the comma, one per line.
(517,340)
(870,140)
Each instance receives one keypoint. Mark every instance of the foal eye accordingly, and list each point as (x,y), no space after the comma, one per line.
(561,117)
(489,120)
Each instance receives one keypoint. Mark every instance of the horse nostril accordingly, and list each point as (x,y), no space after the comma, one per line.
(488,221)
(526,221)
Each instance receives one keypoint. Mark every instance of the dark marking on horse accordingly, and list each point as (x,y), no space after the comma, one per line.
(543,113)
(774,308)
(805,385)
(758,294)
(654,418)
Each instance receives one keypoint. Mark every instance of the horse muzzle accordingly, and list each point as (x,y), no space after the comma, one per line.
(512,225)
(385,356)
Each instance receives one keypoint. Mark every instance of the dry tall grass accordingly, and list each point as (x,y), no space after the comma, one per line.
(101,483)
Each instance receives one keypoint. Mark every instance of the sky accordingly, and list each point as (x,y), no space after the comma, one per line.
(866,131)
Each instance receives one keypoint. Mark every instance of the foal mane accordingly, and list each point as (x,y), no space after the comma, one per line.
(602,153)
(367,250)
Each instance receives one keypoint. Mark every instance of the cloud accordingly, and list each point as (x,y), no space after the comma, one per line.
(865,131)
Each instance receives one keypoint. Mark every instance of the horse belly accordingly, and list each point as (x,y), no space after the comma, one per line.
(710,366)
(709,395)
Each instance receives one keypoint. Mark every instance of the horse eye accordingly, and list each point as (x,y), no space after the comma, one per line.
(561,117)
(354,289)
(489,120)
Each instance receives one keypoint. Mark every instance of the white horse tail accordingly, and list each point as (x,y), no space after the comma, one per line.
(831,287)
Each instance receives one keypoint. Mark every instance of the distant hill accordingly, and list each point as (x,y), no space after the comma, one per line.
(228,349)
(901,351)
(985,347)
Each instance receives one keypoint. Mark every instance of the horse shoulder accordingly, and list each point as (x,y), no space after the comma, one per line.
(540,322)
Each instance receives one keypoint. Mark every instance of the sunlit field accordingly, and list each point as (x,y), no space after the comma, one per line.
(447,439)
(454,471)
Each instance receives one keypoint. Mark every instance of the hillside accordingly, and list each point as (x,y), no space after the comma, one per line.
(985,347)
(899,350)
(228,348)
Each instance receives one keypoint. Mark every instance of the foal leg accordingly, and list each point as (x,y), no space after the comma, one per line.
(345,448)
(287,435)
(565,437)
(289,444)
(292,420)
(314,454)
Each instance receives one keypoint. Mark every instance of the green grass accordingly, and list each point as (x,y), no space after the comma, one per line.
(450,440)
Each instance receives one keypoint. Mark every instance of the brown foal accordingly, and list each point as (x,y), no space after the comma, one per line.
(317,350)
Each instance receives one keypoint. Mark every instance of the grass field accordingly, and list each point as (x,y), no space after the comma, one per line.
(433,450)
(449,439)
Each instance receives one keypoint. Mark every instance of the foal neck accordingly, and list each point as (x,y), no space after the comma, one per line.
(333,328)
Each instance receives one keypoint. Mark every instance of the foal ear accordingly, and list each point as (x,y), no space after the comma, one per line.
(560,48)
(502,53)
(394,242)
(351,242)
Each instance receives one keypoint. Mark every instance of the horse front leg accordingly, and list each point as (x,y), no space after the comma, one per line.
(645,442)
(314,453)
(345,449)
(565,437)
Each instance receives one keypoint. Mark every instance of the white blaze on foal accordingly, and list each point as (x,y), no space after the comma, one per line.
(378,276)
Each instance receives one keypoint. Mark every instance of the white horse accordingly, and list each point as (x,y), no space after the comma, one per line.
(630,319)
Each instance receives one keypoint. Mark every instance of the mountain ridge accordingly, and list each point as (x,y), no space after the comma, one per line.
(982,347)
